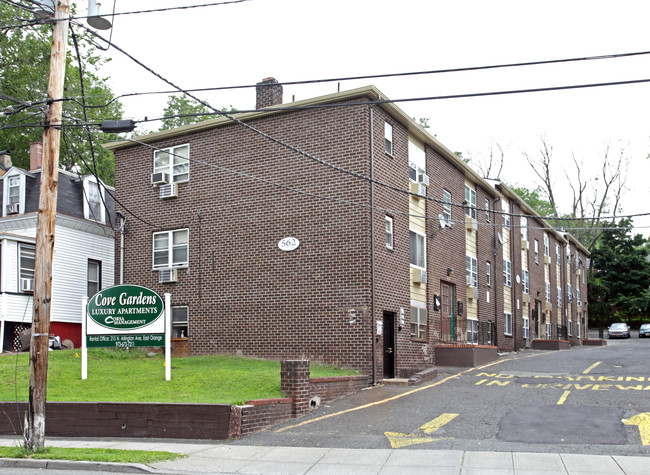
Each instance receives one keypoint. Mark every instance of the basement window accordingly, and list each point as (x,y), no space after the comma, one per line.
(180,321)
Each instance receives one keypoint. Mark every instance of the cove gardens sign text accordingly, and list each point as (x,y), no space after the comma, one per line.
(125,316)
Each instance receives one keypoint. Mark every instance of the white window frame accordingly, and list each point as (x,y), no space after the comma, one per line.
(506,214)
(413,171)
(470,201)
(180,325)
(536,249)
(388,138)
(92,280)
(559,297)
(471,270)
(507,273)
(421,249)
(570,293)
(176,162)
(488,274)
(170,248)
(27,251)
(557,253)
(419,325)
(92,200)
(526,281)
(547,291)
(446,206)
(389,232)
(526,328)
(547,245)
(507,323)
(570,327)
(524,228)
(20,179)
(472,331)
(487,210)
(549,331)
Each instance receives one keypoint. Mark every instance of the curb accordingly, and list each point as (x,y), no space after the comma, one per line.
(76,465)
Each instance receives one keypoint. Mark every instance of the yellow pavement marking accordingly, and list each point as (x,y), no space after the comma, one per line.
(591,367)
(399,396)
(643,422)
(564,396)
(398,440)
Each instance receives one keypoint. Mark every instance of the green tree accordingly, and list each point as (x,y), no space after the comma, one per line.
(535,199)
(183,110)
(25,62)
(619,280)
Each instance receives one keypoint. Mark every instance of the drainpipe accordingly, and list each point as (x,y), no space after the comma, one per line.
(372,247)
(122,224)
(496,293)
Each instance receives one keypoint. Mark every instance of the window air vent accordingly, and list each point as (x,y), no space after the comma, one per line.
(159,178)
(13,208)
(419,276)
(26,285)
(167,275)
(424,179)
(169,190)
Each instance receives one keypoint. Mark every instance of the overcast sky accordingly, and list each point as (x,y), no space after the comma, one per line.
(313,39)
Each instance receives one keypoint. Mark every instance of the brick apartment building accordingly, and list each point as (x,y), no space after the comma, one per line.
(401,246)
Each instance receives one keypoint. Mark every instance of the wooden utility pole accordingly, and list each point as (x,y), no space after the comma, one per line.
(38,351)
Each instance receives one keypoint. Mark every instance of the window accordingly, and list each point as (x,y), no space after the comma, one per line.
(26,262)
(578,329)
(180,320)
(418,322)
(170,249)
(506,214)
(507,323)
(13,193)
(526,327)
(536,251)
(446,207)
(94,201)
(472,331)
(418,249)
(413,171)
(570,292)
(507,273)
(174,161)
(471,271)
(549,334)
(559,297)
(490,331)
(488,274)
(94,279)
(570,327)
(524,229)
(547,247)
(487,210)
(578,297)
(389,232)
(557,253)
(470,201)
(388,138)
(526,281)
(547,286)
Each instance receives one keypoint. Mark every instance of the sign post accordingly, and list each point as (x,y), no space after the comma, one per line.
(127,316)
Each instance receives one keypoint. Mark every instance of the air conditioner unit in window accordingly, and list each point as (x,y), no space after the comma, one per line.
(418,189)
(419,276)
(13,208)
(424,179)
(167,275)
(26,285)
(159,178)
(169,190)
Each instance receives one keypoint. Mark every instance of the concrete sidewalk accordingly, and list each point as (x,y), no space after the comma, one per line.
(214,457)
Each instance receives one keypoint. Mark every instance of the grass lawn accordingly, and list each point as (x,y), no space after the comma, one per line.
(133,376)
(90,455)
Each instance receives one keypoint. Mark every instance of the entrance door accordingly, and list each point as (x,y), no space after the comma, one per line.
(447,312)
(389,344)
(538,320)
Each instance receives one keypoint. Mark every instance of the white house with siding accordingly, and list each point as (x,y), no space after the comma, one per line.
(84,249)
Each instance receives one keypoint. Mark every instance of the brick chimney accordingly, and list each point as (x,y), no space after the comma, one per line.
(35,156)
(269,93)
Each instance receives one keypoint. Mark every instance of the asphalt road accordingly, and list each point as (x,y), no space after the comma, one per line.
(592,400)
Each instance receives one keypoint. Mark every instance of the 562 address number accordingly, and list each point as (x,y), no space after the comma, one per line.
(288,244)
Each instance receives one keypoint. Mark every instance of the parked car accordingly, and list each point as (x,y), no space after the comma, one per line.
(644,330)
(618,330)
